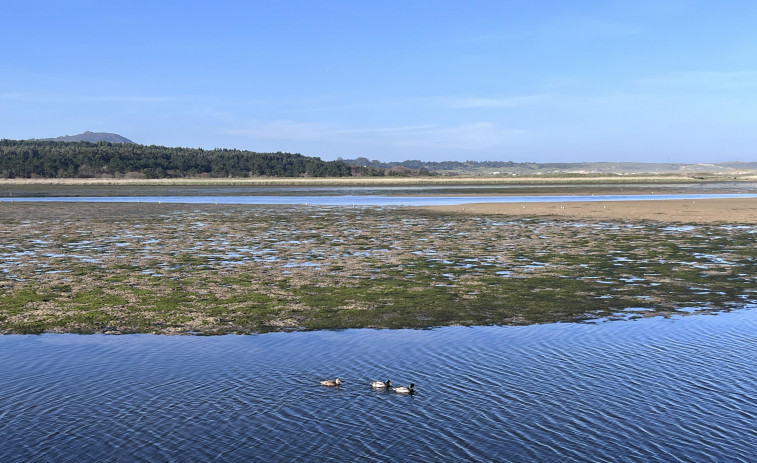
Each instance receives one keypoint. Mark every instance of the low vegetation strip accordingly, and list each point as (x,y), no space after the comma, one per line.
(206,269)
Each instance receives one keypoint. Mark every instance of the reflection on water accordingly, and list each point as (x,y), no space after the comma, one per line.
(396,195)
(368,200)
(649,390)
(52,190)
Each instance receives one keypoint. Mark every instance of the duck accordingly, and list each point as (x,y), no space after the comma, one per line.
(381,384)
(405,389)
(331,382)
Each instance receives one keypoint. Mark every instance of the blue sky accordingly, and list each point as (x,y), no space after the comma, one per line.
(542,81)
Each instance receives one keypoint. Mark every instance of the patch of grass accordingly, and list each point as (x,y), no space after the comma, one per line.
(34,327)
(24,299)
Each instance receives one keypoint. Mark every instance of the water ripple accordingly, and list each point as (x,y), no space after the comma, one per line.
(647,391)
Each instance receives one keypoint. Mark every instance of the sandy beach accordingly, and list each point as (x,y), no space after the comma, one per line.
(738,210)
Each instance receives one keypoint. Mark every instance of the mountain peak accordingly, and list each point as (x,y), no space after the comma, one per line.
(92,137)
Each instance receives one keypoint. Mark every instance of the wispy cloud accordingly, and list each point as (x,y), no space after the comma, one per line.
(285,130)
(379,130)
(132,99)
(571,28)
(488,37)
(69,98)
(585,29)
(493,102)
(17,96)
(472,136)
(723,80)
(291,130)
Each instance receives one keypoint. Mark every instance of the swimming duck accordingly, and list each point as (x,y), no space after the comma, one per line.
(331,382)
(405,389)
(381,384)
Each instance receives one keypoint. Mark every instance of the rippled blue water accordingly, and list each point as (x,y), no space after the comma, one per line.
(654,390)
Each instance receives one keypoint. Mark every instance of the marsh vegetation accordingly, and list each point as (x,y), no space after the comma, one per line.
(207,269)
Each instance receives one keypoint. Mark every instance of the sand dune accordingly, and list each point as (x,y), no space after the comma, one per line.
(739,210)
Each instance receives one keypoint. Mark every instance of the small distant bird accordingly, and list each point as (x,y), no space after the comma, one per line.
(381,384)
(331,382)
(405,389)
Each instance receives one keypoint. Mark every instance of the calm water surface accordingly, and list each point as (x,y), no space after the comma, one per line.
(42,190)
(422,195)
(653,390)
(366,200)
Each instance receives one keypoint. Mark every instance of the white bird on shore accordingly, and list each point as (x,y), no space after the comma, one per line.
(405,389)
(381,384)
(331,382)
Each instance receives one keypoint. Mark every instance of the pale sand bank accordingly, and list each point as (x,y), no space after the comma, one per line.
(738,210)
(636,179)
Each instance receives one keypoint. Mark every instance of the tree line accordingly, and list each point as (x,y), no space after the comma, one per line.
(428,165)
(57,159)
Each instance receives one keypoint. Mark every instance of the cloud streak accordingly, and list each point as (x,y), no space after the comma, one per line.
(585,29)
(721,80)
(63,98)
(470,136)
(494,102)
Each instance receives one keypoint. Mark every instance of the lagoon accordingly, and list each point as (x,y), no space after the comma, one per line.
(368,200)
(647,390)
(370,196)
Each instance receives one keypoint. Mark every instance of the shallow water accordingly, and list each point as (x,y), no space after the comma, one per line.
(51,190)
(369,196)
(368,199)
(680,389)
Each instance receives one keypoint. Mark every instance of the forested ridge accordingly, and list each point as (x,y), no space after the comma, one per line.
(103,159)
(57,159)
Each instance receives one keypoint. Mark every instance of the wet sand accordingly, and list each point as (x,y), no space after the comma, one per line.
(738,210)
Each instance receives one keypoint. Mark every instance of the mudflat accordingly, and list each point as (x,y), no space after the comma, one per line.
(704,211)
(207,269)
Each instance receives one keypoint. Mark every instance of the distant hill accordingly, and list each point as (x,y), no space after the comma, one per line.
(566,168)
(92,137)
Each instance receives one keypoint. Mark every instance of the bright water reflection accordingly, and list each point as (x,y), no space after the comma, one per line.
(649,390)
(367,200)
(53,190)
